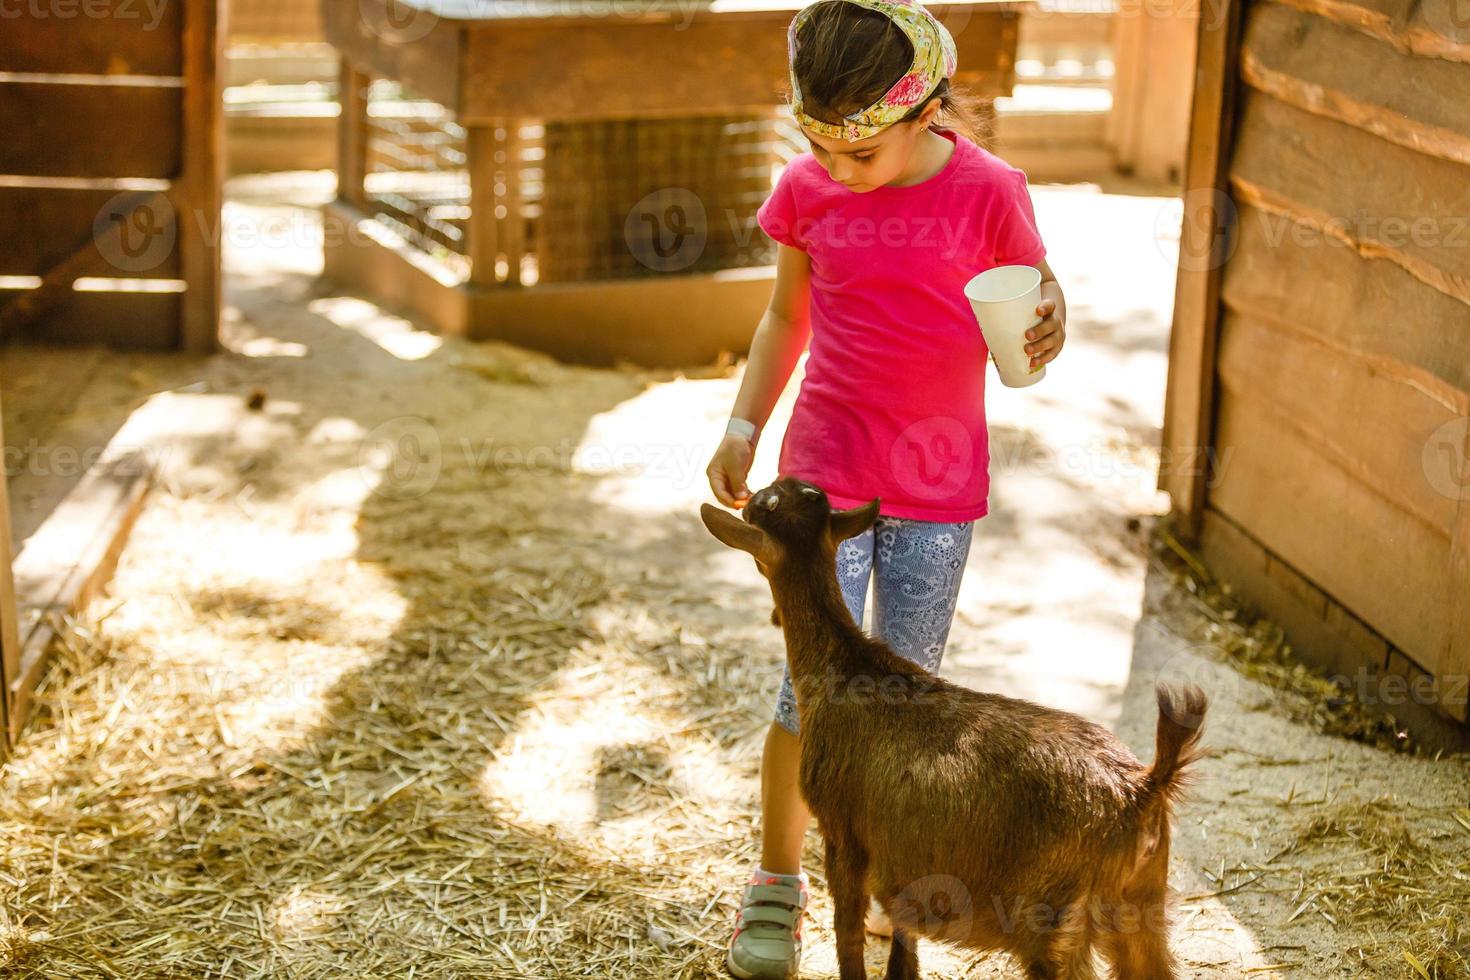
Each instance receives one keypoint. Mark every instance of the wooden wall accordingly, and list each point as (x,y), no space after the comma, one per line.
(110,173)
(1317,433)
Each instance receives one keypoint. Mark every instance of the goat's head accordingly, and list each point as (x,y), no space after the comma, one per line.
(788,520)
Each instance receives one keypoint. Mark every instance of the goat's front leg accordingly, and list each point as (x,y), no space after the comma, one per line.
(846,870)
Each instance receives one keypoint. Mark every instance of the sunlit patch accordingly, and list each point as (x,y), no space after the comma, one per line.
(271,347)
(303,913)
(395,335)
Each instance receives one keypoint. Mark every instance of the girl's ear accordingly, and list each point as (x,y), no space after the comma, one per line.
(732,531)
(853,521)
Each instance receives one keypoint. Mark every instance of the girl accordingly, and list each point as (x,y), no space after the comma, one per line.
(878,228)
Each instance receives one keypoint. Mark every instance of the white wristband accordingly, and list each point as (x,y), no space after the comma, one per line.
(742,427)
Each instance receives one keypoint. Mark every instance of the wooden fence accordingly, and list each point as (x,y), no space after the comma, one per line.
(109,174)
(1317,429)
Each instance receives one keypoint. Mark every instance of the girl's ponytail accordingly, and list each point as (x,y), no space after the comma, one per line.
(848,56)
(970,116)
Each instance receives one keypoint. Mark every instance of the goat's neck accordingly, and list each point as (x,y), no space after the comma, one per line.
(821,637)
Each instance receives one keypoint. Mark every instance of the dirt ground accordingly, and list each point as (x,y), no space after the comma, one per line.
(427,668)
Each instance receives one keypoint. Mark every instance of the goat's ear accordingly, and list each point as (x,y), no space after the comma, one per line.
(853,521)
(732,530)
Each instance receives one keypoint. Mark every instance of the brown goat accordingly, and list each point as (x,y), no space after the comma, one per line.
(973,818)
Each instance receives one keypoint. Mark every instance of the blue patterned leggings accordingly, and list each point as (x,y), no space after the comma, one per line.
(916,568)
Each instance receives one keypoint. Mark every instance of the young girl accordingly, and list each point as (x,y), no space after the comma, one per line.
(878,228)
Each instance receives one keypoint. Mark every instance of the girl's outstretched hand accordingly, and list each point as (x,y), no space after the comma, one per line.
(1044,341)
(728,468)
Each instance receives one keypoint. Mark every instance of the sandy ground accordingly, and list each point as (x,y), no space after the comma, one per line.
(429,669)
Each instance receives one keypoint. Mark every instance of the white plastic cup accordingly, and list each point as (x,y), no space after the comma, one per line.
(1004,300)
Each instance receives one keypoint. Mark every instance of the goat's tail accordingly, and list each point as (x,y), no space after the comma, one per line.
(1181,713)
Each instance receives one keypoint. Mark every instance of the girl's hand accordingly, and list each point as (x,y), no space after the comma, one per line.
(1044,341)
(728,468)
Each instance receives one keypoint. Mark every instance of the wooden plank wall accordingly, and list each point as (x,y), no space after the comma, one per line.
(110,173)
(1330,372)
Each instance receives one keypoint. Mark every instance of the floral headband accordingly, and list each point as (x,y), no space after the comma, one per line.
(934,60)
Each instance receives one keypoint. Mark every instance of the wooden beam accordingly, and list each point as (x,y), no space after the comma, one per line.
(386,40)
(1454,668)
(43,226)
(511,230)
(1189,399)
(201,181)
(1417,220)
(102,37)
(90,130)
(1424,28)
(1275,253)
(9,615)
(484,245)
(1331,70)
(714,64)
(352,95)
(68,560)
(56,282)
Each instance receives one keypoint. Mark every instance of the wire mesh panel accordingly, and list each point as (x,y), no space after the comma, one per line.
(636,197)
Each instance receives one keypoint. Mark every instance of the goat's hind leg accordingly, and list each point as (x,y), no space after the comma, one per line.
(846,872)
(1068,951)
(903,956)
(1138,947)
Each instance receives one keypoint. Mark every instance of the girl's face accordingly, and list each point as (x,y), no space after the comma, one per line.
(861,165)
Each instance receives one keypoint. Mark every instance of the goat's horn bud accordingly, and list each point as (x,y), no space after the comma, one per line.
(771,501)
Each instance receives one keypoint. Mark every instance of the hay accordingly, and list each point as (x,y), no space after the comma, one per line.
(330,736)
(1405,889)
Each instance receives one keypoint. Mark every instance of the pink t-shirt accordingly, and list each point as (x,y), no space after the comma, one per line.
(893,402)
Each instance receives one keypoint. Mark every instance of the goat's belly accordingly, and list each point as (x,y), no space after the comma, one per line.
(976,914)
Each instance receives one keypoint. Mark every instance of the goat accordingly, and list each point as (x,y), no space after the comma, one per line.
(976,819)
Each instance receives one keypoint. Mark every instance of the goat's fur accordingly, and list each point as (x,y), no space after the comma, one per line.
(978,819)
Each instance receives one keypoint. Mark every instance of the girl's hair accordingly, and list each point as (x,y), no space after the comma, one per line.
(848,56)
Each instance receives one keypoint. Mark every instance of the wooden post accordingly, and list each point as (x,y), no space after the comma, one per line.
(352,93)
(483,245)
(1454,672)
(1189,399)
(511,229)
(9,617)
(1154,51)
(199,214)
